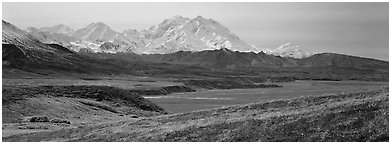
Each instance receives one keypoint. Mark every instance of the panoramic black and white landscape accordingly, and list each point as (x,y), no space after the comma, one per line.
(195,72)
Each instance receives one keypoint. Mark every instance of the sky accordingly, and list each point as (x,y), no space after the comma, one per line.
(359,29)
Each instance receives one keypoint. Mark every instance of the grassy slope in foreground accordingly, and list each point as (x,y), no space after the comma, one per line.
(359,116)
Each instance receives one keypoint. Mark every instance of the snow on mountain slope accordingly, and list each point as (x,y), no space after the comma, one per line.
(93,36)
(198,34)
(23,50)
(89,37)
(172,35)
(13,35)
(82,44)
(289,50)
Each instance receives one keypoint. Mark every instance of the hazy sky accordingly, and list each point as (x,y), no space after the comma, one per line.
(359,29)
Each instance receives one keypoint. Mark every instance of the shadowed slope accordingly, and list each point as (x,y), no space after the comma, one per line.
(18,101)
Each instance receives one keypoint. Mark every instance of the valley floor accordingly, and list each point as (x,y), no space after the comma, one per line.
(360,116)
(111,109)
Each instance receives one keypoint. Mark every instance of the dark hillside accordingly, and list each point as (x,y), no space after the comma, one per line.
(339,60)
(20,101)
(59,60)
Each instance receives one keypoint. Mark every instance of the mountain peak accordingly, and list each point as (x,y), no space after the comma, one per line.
(199,17)
(100,24)
(288,46)
(31,29)
(290,50)
(183,34)
(176,20)
(95,32)
(202,19)
(173,34)
(60,25)
(97,24)
(178,17)
(226,50)
(5,22)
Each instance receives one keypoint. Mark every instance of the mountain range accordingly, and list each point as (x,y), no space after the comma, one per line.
(99,49)
(172,35)
(21,50)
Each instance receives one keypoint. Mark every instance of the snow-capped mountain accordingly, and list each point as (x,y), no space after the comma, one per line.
(90,37)
(180,34)
(172,35)
(22,51)
(289,50)
(94,35)
(184,34)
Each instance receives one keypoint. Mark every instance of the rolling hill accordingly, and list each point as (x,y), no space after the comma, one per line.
(354,117)
(319,66)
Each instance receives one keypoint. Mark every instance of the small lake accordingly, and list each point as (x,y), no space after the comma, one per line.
(192,101)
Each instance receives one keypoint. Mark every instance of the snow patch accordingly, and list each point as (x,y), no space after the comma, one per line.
(226,44)
(198,29)
(289,50)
